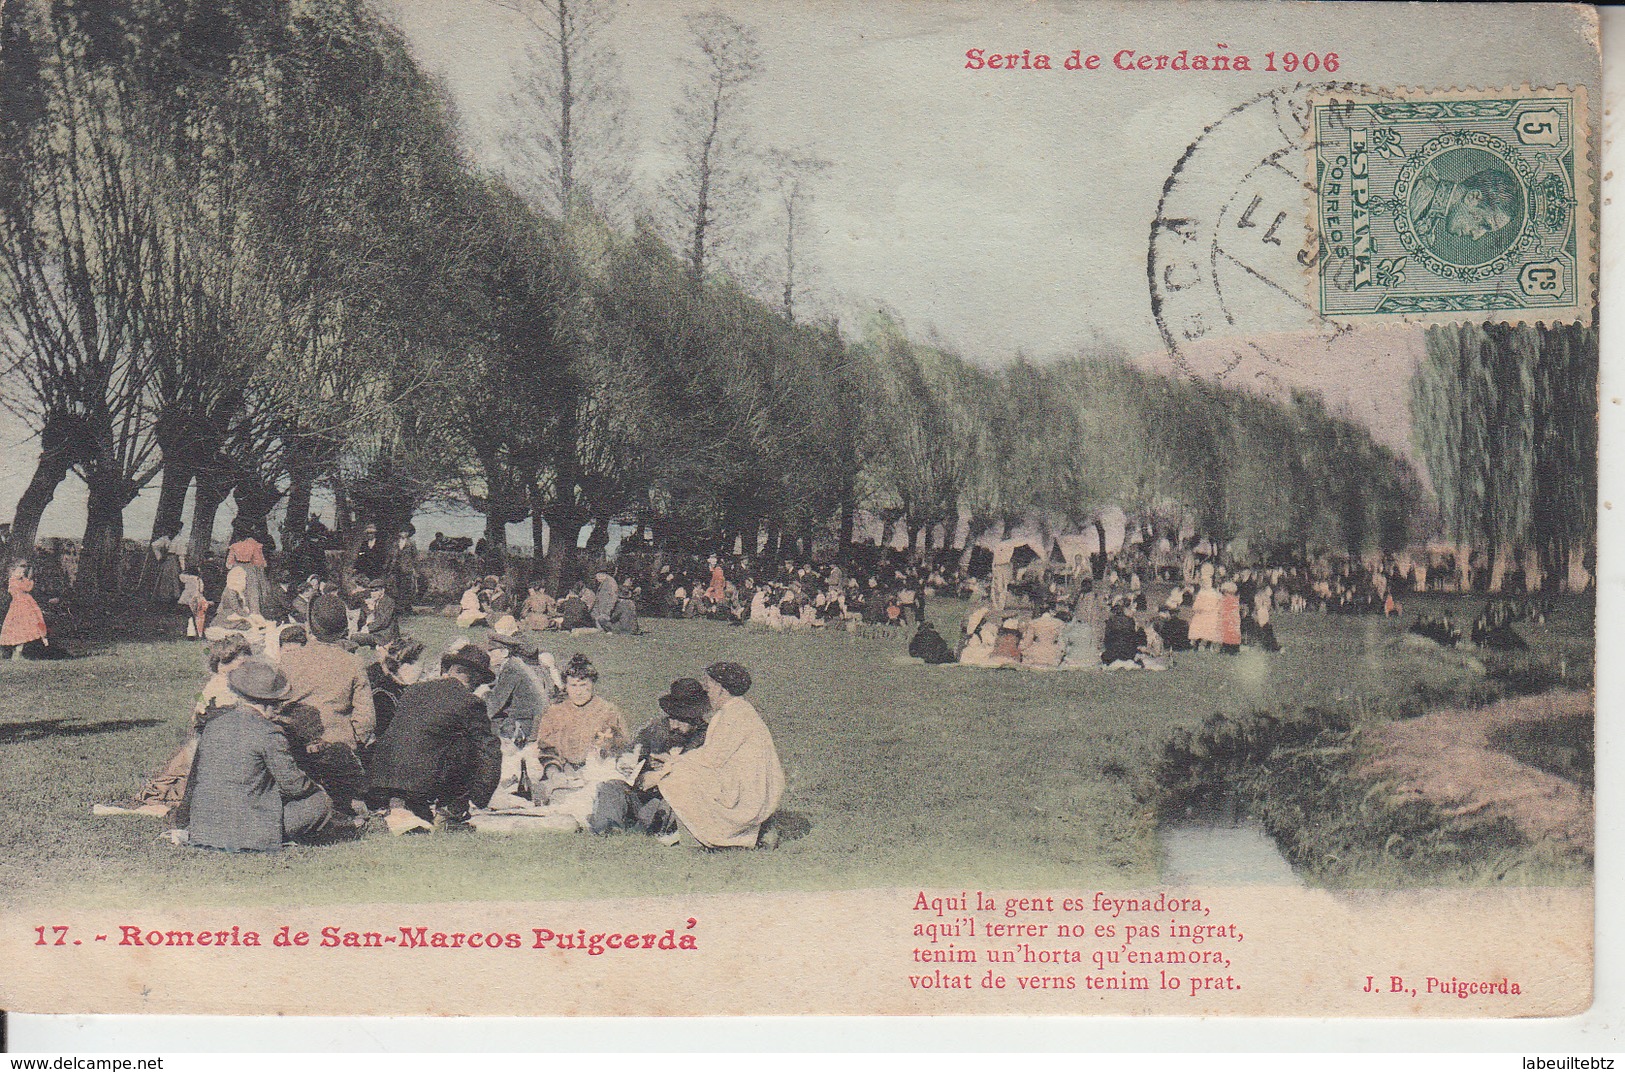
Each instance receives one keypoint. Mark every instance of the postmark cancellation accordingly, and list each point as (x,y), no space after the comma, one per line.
(1433,206)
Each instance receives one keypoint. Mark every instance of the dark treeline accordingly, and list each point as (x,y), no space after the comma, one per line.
(242,253)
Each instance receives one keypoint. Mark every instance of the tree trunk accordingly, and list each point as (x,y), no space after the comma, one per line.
(101,554)
(1498,568)
(845,536)
(539,539)
(298,512)
(564,532)
(255,501)
(49,472)
(1534,574)
(178,472)
(343,517)
(598,542)
(213,485)
(1579,578)
(496,536)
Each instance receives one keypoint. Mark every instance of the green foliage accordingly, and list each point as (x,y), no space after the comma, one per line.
(1505,419)
(1071,438)
(282,273)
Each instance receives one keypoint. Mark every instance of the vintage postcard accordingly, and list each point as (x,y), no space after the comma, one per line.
(678,508)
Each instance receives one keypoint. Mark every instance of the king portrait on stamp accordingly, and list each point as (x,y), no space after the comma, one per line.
(1429,207)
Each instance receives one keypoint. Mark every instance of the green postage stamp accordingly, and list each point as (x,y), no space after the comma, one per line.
(1447,206)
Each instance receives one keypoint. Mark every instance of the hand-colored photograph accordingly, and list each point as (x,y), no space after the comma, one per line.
(798,507)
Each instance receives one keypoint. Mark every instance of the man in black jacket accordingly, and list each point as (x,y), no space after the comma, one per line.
(439,749)
(929,646)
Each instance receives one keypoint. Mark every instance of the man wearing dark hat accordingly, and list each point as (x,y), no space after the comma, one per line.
(723,791)
(439,750)
(334,682)
(679,727)
(246,793)
(523,688)
(371,557)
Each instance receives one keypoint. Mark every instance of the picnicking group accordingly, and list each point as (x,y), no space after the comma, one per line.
(298,737)
(320,719)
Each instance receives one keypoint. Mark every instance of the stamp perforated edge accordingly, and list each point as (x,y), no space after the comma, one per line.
(1586,192)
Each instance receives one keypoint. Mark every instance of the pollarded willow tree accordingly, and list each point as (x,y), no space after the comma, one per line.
(77,226)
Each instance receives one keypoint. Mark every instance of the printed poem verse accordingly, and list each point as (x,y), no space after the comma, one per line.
(1097,941)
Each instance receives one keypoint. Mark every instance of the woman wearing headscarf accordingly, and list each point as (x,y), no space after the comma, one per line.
(1205,608)
(724,790)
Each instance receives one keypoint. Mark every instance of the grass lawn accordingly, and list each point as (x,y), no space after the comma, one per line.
(901,774)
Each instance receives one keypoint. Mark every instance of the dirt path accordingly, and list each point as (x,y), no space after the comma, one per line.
(1447,758)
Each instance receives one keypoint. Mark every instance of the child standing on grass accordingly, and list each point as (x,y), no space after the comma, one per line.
(24,627)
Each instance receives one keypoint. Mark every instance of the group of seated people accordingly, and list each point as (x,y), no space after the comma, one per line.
(1094,634)
(604,605)
(788,597)
(307,740)
(1492,629)
(1111,626)
(794,596)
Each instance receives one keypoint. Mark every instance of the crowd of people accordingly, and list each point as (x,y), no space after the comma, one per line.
(320,718)
(307,731)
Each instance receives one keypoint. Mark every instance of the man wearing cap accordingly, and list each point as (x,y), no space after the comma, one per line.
(334,682)
(523,688)
(380,621)
(723,791)
(582,720)
(679,726)
(439,749)
(246,793)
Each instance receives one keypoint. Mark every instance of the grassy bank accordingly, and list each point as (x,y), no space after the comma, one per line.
(900,774)
(1353,803)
